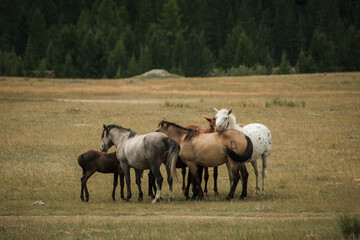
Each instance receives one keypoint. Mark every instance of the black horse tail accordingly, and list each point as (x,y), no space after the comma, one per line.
(172,155)
(245,156)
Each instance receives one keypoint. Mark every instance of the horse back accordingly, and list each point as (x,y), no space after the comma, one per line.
(99,161)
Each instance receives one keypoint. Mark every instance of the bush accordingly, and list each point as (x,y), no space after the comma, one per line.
(350,227)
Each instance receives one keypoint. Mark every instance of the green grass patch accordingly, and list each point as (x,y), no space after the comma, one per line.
(284,103)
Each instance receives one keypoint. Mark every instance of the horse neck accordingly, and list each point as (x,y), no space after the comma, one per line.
(210,129)
(176,133)
(118,136)
(232,123)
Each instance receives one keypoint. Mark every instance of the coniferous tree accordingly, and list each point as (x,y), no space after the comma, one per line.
(305,64)
(199,59)
(285,66)
(37,41)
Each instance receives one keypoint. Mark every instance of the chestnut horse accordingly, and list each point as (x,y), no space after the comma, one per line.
(210,129)
(94,161)
(210,150)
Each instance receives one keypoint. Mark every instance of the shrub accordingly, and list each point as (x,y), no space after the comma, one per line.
(350,227)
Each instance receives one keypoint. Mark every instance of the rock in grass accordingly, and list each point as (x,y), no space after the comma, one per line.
(38,203)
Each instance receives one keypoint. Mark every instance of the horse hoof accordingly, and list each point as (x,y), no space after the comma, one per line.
(216,193)
(151,195)
(126,199)
(156,200)
(205,194)
(228,198)
(140,200)
(242,197)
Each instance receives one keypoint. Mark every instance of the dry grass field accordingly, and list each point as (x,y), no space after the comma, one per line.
(313,172)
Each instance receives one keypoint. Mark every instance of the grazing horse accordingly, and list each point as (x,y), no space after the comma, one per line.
(210,150)
(210,129)
(94,161)
(260,136)
(141,152)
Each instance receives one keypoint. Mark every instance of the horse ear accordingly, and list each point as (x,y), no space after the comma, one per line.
(230,111)
(216,110)
(164,119)
(208,119)
(104,126)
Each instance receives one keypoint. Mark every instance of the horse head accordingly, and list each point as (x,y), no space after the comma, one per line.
(212,123)
(106,139)
(222,119)
(162,126)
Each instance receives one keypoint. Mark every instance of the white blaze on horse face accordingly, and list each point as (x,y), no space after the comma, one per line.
(222,120)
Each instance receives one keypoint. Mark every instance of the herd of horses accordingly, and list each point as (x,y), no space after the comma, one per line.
(192,147)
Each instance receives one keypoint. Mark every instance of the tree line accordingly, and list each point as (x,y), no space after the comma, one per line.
(123,38)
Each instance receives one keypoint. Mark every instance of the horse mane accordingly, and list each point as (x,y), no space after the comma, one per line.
(191,133)
(109,127)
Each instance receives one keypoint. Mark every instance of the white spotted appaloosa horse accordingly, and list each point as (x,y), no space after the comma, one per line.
(258,133)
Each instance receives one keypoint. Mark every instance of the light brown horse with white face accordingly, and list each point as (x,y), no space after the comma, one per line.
(210,150)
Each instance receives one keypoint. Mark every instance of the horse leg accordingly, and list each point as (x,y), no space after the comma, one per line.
(82,186)
(170,182)
(215,180)
(230,173)
(138,174)
(152,184)
(244,175)
(84,179)
(126,170)
(265,158)
(183,172)
(236,177)
(198,193)
(115,185)
(256,170)
(206,178)
(121,176)
(189,180)
(159,180)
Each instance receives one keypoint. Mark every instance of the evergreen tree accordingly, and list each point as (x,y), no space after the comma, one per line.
(67,69)
(323,52)
(305,64)
(199,59)
(285,66)
(117,61)
(145,61)
(37,41)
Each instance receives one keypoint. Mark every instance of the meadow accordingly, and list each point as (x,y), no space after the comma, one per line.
(313,175)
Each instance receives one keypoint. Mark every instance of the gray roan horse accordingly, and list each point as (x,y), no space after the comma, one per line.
(141,152)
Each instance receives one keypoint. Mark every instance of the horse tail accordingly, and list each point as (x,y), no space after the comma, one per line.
(81,162)
(172,155)
(245,156)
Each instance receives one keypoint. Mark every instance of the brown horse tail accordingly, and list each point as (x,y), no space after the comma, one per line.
(245,156)
(81,162)
(172,156)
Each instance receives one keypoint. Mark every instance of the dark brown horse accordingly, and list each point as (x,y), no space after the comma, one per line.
(210,129)
(94,161)
(211,150)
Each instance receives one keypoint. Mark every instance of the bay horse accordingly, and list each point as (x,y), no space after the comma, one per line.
(210,150)
(94,161)
(209,129)
(260,136)
(141,152)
